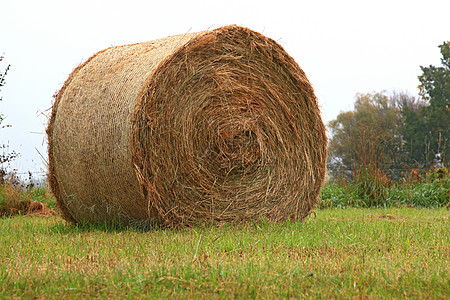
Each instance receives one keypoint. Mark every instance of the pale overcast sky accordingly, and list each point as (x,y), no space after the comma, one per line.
(345,47)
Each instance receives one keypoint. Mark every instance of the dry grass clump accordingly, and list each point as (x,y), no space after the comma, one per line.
(214,126)
(16,201)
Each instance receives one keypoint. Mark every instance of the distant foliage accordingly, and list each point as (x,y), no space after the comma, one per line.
(369,136)
(426,129)
(395,133)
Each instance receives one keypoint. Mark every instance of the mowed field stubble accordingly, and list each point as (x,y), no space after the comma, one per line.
(337,253)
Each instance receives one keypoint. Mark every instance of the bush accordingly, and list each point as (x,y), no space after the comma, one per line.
(429,194)
(12,201)
(437,174)
(16,200)
(370,189)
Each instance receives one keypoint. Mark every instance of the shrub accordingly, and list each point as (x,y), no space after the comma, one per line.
(17,200)
(426,195)
(437,174)
(371,187)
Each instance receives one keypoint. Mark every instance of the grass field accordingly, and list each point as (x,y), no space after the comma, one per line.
(338,253)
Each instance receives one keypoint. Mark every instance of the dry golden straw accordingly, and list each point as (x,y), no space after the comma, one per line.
(206,127)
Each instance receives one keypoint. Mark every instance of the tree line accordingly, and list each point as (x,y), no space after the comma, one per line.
(396,132)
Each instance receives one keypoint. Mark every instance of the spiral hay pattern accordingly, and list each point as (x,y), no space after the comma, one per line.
(204,127)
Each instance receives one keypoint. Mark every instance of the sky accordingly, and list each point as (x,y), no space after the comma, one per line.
(344,47)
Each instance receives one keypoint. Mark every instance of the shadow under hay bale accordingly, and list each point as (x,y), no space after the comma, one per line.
(214,126)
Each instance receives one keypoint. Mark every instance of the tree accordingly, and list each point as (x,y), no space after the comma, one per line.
(5,156)
(426,129)
(370,135)
(2,83)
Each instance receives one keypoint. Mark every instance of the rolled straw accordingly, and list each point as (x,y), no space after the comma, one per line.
(205,127)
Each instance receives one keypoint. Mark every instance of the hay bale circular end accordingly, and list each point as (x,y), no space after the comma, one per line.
(213,126)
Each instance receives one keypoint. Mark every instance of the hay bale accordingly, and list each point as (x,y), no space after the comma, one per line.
(202,127)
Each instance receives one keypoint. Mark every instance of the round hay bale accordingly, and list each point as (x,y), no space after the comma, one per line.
(204,127)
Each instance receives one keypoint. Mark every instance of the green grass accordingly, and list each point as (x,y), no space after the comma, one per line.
(337,253)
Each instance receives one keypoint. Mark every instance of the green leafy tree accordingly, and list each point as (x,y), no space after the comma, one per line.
(369,136)
(426,129)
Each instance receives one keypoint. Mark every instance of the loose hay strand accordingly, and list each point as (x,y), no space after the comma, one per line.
(216,126)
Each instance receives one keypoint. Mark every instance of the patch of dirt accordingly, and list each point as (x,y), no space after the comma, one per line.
(388,216)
